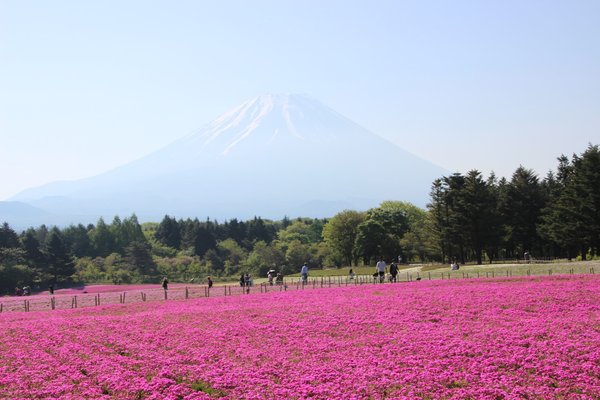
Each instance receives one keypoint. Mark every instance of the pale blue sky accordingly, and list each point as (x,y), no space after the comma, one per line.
(88,85)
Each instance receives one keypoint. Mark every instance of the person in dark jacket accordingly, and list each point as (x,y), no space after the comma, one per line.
(393,272)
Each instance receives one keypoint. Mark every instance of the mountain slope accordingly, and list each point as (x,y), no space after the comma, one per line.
(274,155)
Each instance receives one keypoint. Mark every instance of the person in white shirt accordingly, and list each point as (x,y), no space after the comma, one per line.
(380,267)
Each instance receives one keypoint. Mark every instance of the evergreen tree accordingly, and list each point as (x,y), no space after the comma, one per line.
(137,255)
(103,240)
(33,251)
(78,241)
(131,231)
(522,212)
(169,233)
(197,237)
(60,264)
(477,206)
(116,230)
(258,231)
(8,237)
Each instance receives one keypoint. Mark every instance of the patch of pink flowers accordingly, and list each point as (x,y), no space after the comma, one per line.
(535,338)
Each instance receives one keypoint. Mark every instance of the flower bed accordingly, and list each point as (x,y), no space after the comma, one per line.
(480,339)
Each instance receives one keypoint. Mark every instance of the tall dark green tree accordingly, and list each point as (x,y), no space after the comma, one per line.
(131,231)
(8,237)
(521,211)
(103,240)
(60,265)
(139,259)
(33,251)
(587,185)
(477,207)
(78,241)
(198,237)
(259,230)
(169,232)
(571,218)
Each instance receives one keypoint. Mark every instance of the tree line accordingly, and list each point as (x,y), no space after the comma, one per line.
(469,219)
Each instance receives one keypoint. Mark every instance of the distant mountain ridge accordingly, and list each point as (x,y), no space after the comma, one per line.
(274,155)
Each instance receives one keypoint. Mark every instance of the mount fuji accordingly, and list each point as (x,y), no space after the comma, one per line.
(272,156)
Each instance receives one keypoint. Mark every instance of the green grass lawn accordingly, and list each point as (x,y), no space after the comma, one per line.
(436,270)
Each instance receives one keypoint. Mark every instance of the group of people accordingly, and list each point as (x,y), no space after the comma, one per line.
(380,270)
(274,276)
(26,291)
(246,280)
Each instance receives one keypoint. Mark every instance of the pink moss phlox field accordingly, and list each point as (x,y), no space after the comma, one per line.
(536,338)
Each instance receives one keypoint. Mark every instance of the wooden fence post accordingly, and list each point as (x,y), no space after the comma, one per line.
(429,273)
(187,293)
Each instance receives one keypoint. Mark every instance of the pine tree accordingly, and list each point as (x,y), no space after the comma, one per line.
(103,240)
(33,252)
(169,233)
(8,237)
(60,264)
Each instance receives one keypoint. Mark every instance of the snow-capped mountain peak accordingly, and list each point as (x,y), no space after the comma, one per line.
(271,156)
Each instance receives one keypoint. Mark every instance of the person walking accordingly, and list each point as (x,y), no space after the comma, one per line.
(165,283)
(304,273)
(393,271)
(380,268)
(210,282)
(270,277)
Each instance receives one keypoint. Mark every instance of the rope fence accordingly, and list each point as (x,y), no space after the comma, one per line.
(69,301)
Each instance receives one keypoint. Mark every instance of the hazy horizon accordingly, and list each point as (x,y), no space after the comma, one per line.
(87,87)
